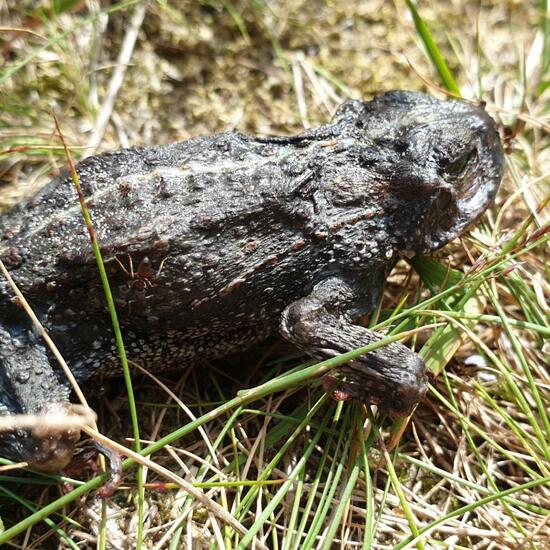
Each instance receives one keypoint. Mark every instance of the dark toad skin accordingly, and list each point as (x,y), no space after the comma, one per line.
(212,244)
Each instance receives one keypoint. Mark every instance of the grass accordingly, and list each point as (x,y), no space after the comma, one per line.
(294,468)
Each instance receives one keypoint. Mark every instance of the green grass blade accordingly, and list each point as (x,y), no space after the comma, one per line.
(479,460)
(394,478)
(545,27)
(332,484)
(116,329)
(321,475)
(352,475)
(50,523)
(544,437)
(433,51)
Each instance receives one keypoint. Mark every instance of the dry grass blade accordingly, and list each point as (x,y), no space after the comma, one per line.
(77,417)
(167,474)
(116,329)
(117,78)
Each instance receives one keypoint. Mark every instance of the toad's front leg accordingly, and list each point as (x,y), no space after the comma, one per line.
(392,377)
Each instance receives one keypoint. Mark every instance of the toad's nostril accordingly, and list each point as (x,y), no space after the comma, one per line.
(444,200)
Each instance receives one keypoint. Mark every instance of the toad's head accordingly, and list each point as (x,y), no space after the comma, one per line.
(439,162)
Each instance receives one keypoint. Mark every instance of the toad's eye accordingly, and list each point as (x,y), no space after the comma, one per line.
(457,166)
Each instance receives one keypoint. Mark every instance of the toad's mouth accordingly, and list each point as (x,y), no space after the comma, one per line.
(464,208)
(468,208)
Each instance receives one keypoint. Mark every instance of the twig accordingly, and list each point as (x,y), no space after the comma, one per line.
(117,77)
(77,417)
(299,90)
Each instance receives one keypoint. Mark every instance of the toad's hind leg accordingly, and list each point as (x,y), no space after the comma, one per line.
(28,385)
(392,377)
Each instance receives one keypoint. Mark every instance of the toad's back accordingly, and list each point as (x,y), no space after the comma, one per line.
(207,239)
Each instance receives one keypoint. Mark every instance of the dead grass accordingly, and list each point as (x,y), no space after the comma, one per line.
(295,469)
